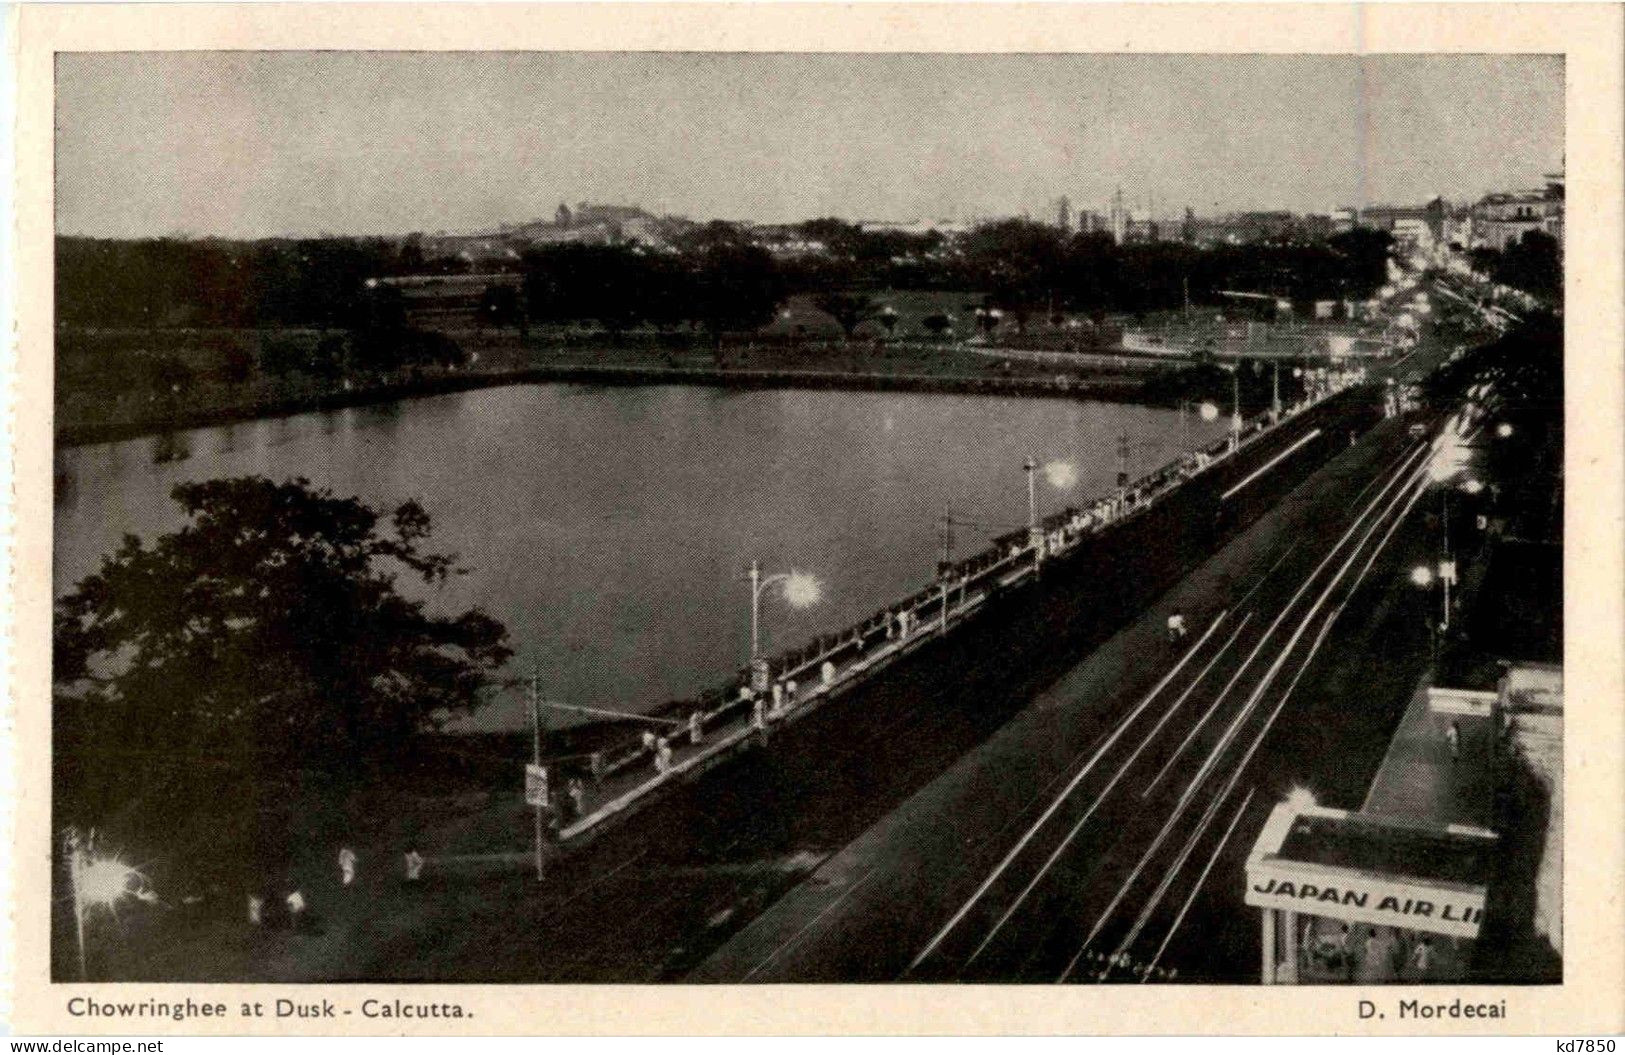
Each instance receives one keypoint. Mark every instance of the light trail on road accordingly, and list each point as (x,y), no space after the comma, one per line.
(1414,488)
(1021,844)
(1100,798)
(1331,554)
(1397,485)
(1151,965)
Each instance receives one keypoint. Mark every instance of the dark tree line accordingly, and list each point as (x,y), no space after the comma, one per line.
(1533,264)
(716,278)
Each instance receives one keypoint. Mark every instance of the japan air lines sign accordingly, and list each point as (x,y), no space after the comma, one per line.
(1360,897)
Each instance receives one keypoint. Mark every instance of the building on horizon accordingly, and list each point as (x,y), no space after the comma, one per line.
(1502,218)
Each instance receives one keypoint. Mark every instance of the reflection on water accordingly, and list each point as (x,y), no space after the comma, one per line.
(610,528)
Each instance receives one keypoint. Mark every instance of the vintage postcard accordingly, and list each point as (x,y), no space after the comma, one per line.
(841,517)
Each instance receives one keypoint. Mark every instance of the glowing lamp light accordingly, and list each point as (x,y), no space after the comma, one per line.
(1061,475)
(1301,798)
(103,881)
(1472,487)
(1422,575)
(1503,430)
(802,590)
(1209,411)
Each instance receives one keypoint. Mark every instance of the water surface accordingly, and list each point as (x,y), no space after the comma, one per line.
(610,527)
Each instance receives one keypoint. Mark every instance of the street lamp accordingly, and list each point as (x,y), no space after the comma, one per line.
(98,882)
(801,590)
(1032,497)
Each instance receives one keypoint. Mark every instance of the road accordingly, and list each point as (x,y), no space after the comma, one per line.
(1101,834)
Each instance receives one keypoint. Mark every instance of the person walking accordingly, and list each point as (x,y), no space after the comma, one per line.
(1349,948)
(346,865)
(1452,737)
(296,909)
(1422,959)
(1374,965)
(414,864)
(256,910)
(1176,627)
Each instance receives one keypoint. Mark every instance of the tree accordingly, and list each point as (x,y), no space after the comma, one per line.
(267,635)
(1533,264)
(735,287)
(235,363)
(937,324)
(499,306)
(170,375)
(849,310)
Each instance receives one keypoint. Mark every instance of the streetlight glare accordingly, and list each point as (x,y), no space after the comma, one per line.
(1061,475)
(104,880)
(1209,411)
(1422,575)
(1301,798)
(1472,487)
(1503,430)
(802,590)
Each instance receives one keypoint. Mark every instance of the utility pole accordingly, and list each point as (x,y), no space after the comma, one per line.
(1447,569)
(539,801)
(1122,467)
(1275,398)
(1235,405)
(1032,498)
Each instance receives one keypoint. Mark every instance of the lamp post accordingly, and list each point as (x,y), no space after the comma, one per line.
(800,589)
(97,882)
(1031,466)
(1206,410)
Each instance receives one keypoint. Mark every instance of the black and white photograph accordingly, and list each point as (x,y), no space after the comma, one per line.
(720,517)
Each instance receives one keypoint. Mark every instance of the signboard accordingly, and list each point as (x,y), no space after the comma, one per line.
(1358,897)
(535,784)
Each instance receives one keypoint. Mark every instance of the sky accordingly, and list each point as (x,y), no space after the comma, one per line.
(252,144)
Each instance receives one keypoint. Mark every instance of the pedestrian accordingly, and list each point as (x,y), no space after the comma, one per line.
(577,793)
(1422,959)
(758,714)
(346,865)
(296,909)
(414,864)
(1346,948)
(1176,627)
(1452,737)
(826,673)
(662,755)
(790,693)
(256,910)
(1374,966)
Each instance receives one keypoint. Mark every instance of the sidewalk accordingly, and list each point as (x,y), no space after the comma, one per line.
(1421,778)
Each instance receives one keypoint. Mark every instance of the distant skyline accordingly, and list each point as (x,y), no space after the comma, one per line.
(245,144)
